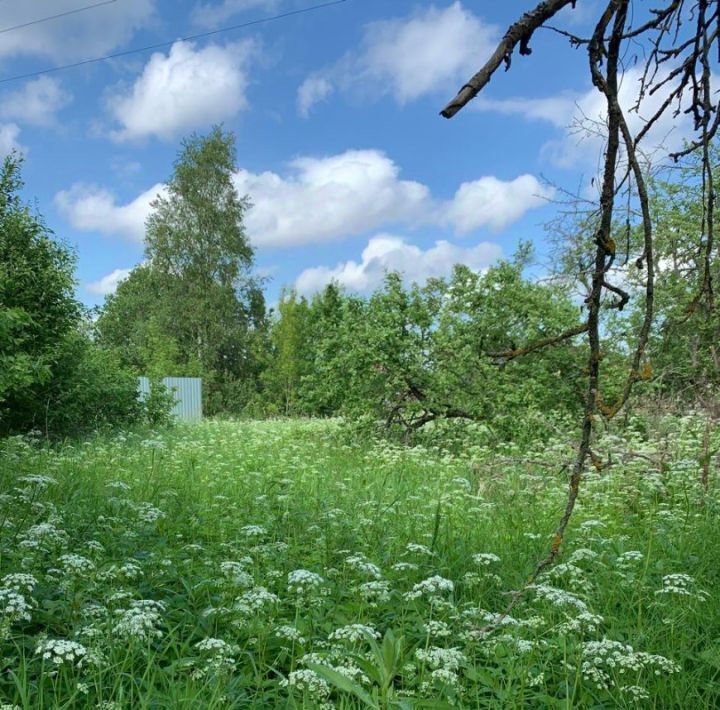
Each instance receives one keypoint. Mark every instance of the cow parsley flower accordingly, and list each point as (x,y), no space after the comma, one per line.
(254,600)
(436,657)
(302,581)
(601,658)
(289,633)
(220,654)
(148,513)
(354,633)
(431,587)
(437,628)
(359,563)
(374,592)
(681,585)
(416,548)
(485,559)
(14,606)
(76,564)
(140,621)
(309,682)
(43,535)
(253,531)
(19,582)
(60,651)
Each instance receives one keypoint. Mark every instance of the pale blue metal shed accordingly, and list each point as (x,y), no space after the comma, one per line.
(187,392)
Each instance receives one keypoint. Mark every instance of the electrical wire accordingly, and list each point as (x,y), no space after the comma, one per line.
(55,17)
(160,45)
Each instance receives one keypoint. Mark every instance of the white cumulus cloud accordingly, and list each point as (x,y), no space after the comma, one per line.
(313,90)
(9,133)
(93,209)
(323,199)
(582,117)
(185,89)
(108,284)
(36,102)
(75,36)
(409,57)
(326,199)
(493,203)
(386,252)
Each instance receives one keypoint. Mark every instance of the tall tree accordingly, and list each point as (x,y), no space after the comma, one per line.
(37,306)
(52,376)
(290,354)
(677,43)
(194,307)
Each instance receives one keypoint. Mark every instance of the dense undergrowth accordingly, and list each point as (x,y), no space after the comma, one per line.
(269,564)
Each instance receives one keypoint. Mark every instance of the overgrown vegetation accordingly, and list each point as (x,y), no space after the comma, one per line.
(267,564)
(388,543)
(52,376)
(193,307)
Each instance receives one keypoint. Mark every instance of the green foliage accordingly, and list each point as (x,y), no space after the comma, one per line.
(290,346)
(37,307)
(406,358)
(52,376)
(158,404)
(89,389)
(193,308)
(268,565)
(684,344)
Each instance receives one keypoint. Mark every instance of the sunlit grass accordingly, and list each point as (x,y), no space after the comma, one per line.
(270,564)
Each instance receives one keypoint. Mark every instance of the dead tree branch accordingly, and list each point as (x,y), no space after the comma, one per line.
(521,33)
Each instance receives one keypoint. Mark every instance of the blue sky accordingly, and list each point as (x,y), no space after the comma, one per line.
(340,145)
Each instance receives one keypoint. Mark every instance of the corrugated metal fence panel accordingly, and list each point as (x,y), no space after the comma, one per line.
(143,388)
(188,396)
(187,392)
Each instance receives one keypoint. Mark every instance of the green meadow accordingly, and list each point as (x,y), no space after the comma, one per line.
(281,564)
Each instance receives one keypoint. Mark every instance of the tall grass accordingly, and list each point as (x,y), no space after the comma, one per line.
(271,564)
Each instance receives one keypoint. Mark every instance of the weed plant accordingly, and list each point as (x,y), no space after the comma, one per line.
(273,564)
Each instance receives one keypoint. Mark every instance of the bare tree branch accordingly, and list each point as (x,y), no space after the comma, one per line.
(520,32)
(539,344)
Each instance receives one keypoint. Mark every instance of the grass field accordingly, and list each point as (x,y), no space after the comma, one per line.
(269,564)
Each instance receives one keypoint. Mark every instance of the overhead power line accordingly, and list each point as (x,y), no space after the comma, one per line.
(168,43)
(56,17)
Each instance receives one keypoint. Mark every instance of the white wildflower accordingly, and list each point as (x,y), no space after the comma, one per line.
(253,531)
(302,581)
(140,621)
(354,633)
(254,600)
(76,564)
(359,563)
(19,582)
(289,633)
(14,606)
(431,587)
(60,651)
(416,548)
(485,559)
(309,682)
(682,585)
(436,657)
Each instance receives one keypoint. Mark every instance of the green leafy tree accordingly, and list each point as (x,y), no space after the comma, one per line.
(52,376)
(37,307)
(331,315)
(290,358)
(194,308)
(409,357)
(683,347)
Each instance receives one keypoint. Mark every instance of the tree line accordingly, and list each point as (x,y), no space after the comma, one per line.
(466,352)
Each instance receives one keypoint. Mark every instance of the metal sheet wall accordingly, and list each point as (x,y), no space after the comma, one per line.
(187,392)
